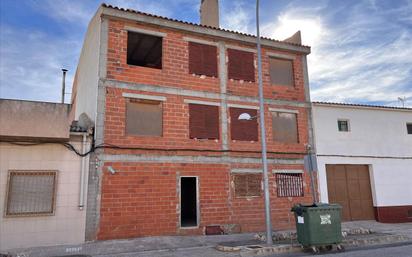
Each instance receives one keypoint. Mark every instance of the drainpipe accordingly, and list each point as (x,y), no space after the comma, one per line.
(83,171)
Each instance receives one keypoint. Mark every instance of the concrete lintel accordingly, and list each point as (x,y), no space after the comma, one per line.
(145,97)
(190,101)
(283,110)
(200,41)
(145,31)
(288,171)
(251,50)
(244,106)
(205,31)
(201,94)
(281,56)
(246,171)
(193,159)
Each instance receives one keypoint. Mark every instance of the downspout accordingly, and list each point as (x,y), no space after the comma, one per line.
(83,171)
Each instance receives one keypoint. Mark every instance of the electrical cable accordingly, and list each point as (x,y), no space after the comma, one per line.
(111,146)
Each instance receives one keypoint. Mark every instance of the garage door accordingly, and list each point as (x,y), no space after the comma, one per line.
(349,186)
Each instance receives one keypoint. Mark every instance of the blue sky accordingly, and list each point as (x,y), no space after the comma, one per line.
(361,50)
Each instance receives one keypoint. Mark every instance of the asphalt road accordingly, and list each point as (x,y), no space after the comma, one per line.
(396,250)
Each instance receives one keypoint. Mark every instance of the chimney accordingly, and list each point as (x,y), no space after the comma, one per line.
(63,84)
(209,13)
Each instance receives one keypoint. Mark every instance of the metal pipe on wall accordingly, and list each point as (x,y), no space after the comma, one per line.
(83,171)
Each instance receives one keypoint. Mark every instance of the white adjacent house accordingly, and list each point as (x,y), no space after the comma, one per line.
(364,158)
(43,184)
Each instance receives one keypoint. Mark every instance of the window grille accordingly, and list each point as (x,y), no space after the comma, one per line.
(30,193)
(289,184)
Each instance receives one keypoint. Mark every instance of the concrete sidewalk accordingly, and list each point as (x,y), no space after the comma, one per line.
(204,245)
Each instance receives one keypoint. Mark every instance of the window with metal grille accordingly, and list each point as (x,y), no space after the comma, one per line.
(343,125)
(285,127)
(409,128)
(30,193)
(247,185)
(203,121)
(241,65)
(202,59)
(144,117)
(144,50)
(289,184)
(281,72)
(243,130)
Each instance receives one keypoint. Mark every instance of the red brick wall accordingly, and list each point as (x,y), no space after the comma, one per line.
(142,199)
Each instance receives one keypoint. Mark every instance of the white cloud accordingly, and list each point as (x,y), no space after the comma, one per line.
(74,12)
(362,58)
(237,17)
(30,67)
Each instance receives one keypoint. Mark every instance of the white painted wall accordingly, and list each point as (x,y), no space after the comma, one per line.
(375,135)
(67,226)
(87,71)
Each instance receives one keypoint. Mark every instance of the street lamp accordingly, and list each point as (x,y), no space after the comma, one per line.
(263,135)
(247,116)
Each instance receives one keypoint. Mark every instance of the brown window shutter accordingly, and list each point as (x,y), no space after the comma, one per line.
(241,65)
(284,127)
(243,130)
(202,59)
(203,121)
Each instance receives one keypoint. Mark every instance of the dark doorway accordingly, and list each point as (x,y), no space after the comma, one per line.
(188,200)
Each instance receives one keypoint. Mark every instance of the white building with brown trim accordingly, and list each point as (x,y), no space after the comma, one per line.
(364,158)
(43,184)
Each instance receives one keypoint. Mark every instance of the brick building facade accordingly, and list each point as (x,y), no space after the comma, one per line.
(173,155)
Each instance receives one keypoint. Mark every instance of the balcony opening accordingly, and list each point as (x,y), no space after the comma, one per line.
(144,50)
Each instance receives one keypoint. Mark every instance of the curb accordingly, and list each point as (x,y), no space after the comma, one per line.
(256,250)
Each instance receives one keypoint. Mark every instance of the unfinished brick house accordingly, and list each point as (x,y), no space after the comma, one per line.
(175,106)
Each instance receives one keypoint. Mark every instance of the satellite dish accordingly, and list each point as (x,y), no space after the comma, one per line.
(244,116)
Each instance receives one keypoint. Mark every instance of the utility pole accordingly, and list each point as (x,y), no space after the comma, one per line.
(263,135)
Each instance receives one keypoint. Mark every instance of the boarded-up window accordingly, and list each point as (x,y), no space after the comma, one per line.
(243,130)
(281,72)
(202,59)
(247,185)
(284,127)
(289,184)
(144,117)
(203,121)
(144,50)
(30,193)
(241,65)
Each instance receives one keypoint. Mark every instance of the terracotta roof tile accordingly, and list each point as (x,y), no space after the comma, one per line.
(198,25)
(363,105)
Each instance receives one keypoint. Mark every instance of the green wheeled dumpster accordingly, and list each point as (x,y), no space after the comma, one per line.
(319,226)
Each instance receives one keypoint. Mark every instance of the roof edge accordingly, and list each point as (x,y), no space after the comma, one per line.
(362,106)
(129,14)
